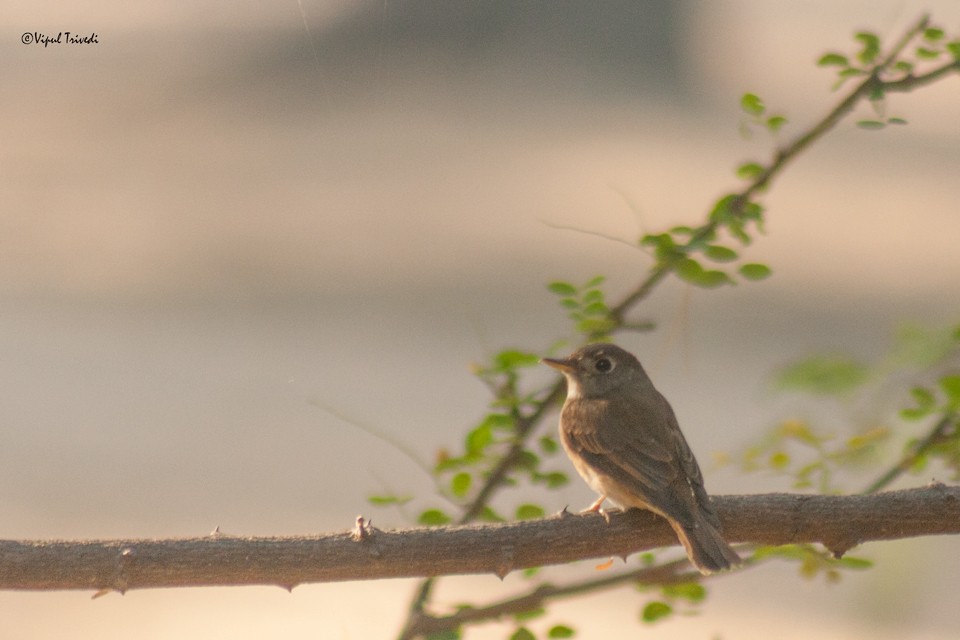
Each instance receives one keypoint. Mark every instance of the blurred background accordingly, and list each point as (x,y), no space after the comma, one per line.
(232,232)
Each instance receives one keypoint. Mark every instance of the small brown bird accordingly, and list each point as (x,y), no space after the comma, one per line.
(624,440)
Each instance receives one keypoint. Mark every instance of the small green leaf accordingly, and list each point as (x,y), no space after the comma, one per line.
(755,271)
(871,47)
(850,562)
(903,66)
(951,387)
(383,501)
(489,515)
(562,288)
(927,54)
(871,125)
(433,518)
(924,397)
(548,445)
(826,375)
(720,253)
(596,309)
(932,34)
(752,104)
(656,610)
(561,631)
(594,281)
(529,614)
(522,634)
(896,121)
(749,170)
(512,359)
(833,60)
(460,484)
(479,438)
(527,460)
(775,123)
(954,48)
(691,591)
(723,211)
(529,512)
(555,479)
(779,460)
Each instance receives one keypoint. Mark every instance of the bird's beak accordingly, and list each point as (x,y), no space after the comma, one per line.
(565,366)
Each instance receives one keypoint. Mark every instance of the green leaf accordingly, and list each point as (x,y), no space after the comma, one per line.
(775,123)
(596,309)
(460,484)
(779,460)
(383,501)
(825,375)
(479,439)
(924,397)
(951,387)
(927,54)
(594,281)
(522,634)
(512,359)
(529,512)
(561,631)
(691,591)
(433,518)
(833,60)
(720,253)
(529,614)
(527,460)
(489,515)
(932,34)
(954,48)
(548,445)
(749,170)
(871,125)
(752,104)
(850,562)
(896,121)
(562,288)
(871,47)
(903,66)
(656,610)
(555,479)
(755,271)
(723,210)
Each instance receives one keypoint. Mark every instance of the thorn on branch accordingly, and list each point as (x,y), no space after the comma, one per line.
(505,566)
(363,529)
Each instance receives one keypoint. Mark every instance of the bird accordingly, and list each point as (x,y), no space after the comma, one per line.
(624,440)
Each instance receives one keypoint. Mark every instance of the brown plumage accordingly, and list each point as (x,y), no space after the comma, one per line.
(623,438)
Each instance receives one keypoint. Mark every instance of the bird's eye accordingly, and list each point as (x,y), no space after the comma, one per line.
(603,365)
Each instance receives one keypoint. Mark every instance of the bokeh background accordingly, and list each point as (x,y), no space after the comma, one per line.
(230,233)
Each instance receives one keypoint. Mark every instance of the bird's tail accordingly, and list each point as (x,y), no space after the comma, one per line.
(705,546)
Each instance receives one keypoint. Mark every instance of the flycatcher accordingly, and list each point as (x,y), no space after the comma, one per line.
(624,440)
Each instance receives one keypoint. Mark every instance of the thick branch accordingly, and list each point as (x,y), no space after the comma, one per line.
(839,522)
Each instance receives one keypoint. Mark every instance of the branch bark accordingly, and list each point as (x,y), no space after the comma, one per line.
(838,522)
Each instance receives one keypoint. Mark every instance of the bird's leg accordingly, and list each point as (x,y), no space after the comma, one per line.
(596,508)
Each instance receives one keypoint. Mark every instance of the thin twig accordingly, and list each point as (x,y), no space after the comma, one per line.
(943,430)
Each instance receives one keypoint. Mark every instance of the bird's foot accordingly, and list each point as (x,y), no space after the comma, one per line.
(596,507)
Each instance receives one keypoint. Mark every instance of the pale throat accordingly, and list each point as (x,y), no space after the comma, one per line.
(573,388)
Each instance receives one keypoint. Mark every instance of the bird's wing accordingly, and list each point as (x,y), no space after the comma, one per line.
(647,456)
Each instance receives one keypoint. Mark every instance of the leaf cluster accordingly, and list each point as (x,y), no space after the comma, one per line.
(813,456)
